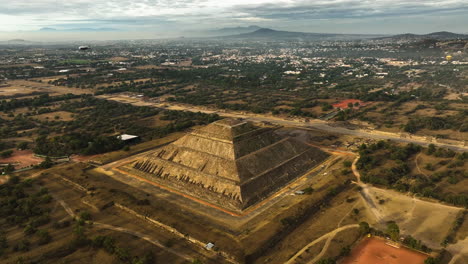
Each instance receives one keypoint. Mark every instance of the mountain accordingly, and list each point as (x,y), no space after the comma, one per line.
(49,29)
(271,34)
(446,35)
(17,42)
(233,30)
(442,35)
(218,32)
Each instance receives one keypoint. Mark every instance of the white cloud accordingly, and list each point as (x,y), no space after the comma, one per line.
(134,14)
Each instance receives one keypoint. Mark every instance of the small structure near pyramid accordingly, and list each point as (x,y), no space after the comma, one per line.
(231,163)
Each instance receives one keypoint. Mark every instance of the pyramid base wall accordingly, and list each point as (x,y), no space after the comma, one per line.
(274,180)
(252,192)
(194,190)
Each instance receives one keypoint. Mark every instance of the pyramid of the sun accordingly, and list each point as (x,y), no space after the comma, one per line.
(231,163)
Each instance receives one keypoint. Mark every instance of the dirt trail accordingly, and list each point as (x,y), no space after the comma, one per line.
(124,230)
(329,235)
(458,250)
(141,236)
(417,166)
(364,193)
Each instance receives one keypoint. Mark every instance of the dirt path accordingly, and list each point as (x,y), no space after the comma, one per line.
(355,170)
(417,165)
(124,230)
(458,250)
(4,179)
(330,235)
(364,193)
(141,236)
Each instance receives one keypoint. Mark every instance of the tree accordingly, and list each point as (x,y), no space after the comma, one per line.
(22,145)
(430,260)
(85,215)
(393,230)
(345,251)
(431,149)
(364,228)
(47,163)
(6,154)
(44,237)
(29,230)
(326,261)
(9,168)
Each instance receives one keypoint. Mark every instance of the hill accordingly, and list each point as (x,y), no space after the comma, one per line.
(233,30)
(271,34)
(442,35)
(17,42)
(49,29)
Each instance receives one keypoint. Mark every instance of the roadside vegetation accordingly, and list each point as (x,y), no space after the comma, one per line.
(402,168)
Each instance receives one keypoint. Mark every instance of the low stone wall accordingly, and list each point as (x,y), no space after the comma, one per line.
(173,231)
(73,184)
(295,223)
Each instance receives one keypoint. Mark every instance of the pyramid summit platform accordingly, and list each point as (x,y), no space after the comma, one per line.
(231,163)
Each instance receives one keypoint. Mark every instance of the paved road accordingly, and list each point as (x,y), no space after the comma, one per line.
(314,123)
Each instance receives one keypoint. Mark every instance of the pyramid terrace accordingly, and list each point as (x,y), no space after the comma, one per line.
(230,163)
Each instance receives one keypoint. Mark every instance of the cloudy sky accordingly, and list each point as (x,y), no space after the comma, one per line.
(336,16)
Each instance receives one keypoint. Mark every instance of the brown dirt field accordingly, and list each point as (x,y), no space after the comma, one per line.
(454,96)
(375,251)
(344,238)
(235,102)
(118,59)
(185,63)
(463,230)
(154,121)
(145,67)
(45,87)
(310,253)
(409,86)
(456,135)
(16,111)
(283,107)
(19,65)
(459,106)
(63,116)
(16,90)
(121,82)
(408,106)
(462,260)
(48,78)
(429,222)
(459,187)
(24,157)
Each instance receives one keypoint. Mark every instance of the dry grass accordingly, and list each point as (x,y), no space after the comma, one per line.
(425,221)
(58,116)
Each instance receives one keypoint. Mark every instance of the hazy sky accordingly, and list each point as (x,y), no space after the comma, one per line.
(161,16)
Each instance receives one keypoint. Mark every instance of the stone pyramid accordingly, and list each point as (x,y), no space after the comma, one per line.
(231,163)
